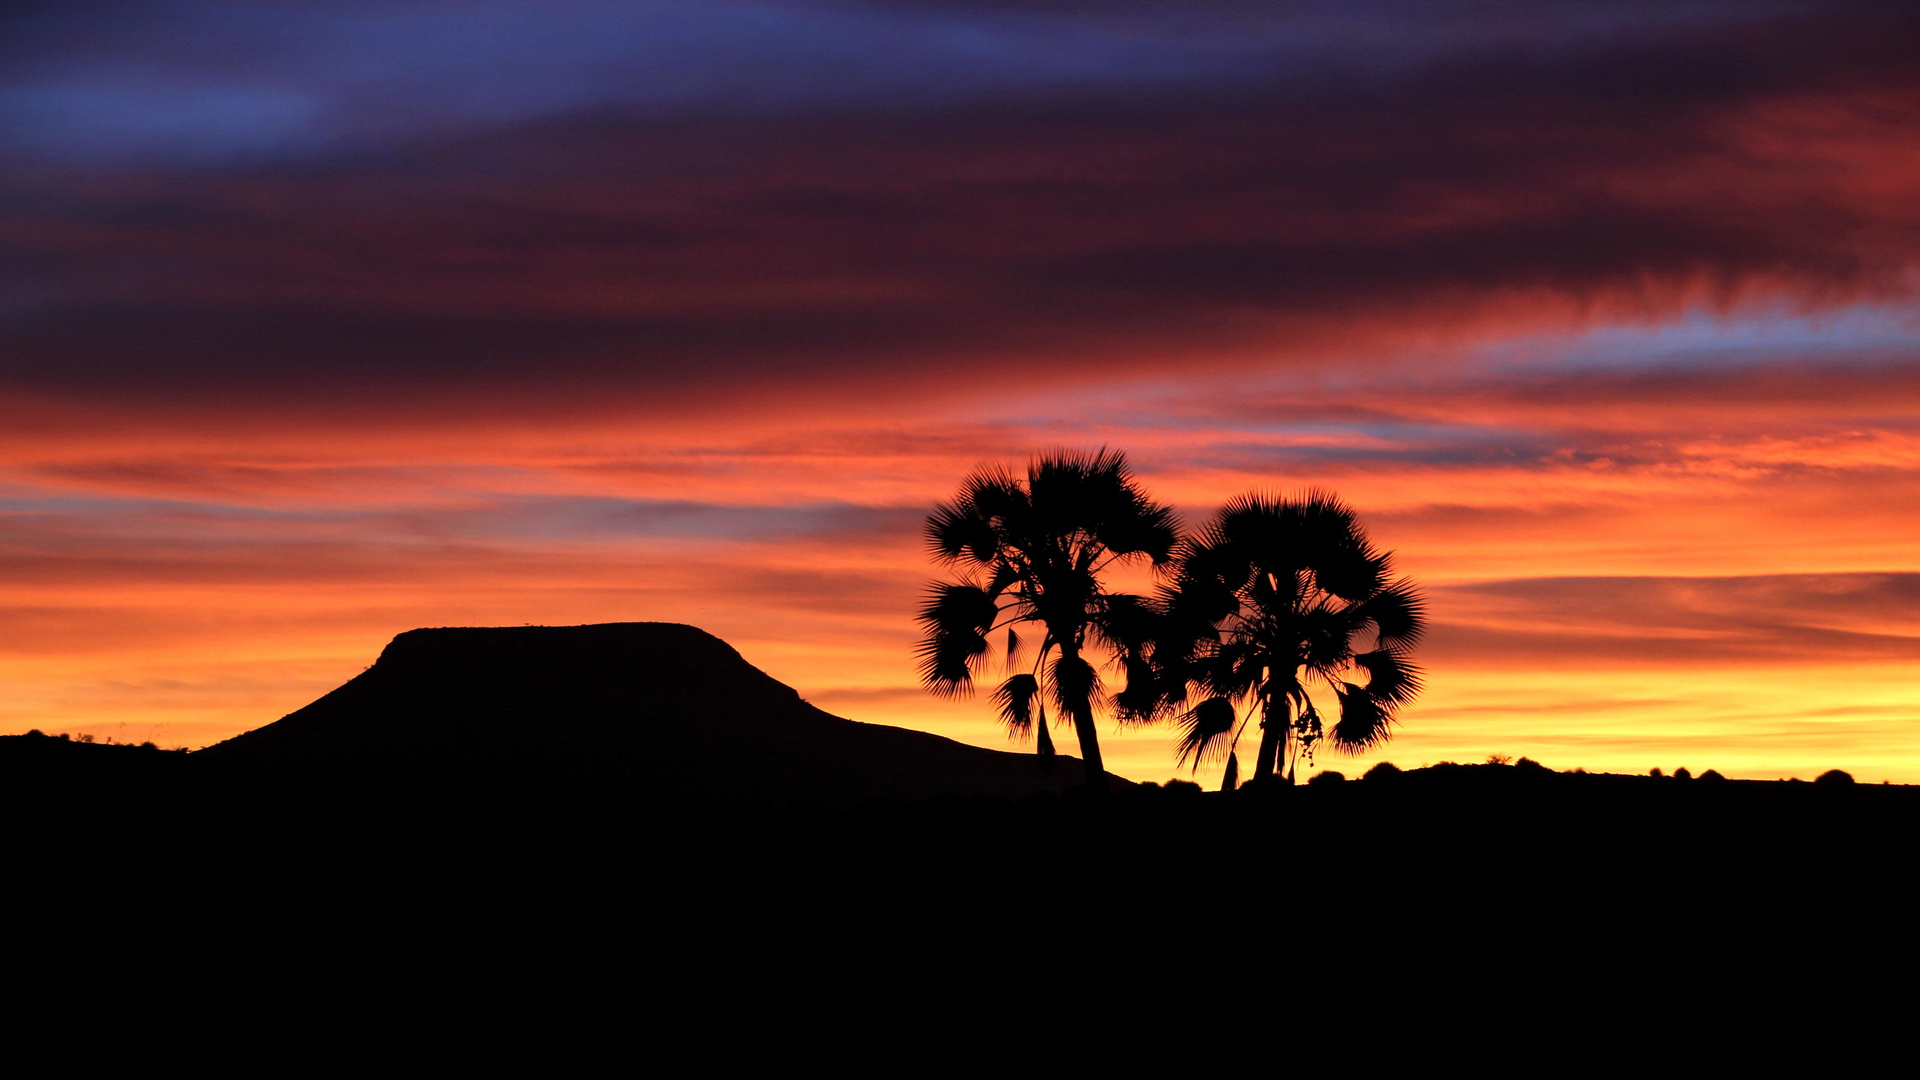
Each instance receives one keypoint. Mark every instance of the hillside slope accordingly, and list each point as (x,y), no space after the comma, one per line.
(618,710)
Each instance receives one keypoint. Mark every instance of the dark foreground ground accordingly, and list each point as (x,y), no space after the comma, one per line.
(1478,905)
(1474,905)
(125,830)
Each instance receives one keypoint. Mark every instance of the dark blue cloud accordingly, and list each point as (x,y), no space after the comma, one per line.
(203,82)
(360,204)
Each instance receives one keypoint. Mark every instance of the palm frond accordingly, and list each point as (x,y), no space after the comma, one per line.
(1130,523)
(1310,540)
(1151,530)
(1147,694)
(1194,609)
(1397,612)
(996,495)
(1015,697)
(1067,489)
(1181,650)
(1326,632)
(954,622)
(1233,669)
(956,531)
(1206,732)
(1266,533)
(1391,676)
(1364,720)
(1089,499)
(1333,546)
(971,526)
(1005,575)
(1350,569)
(1123,622)
(1076,687)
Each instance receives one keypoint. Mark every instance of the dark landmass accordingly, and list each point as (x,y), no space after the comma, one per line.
(1443,822)
(620,711)
(412,809)
(1482,883)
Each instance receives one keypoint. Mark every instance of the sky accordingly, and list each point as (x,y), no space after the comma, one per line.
(324,321)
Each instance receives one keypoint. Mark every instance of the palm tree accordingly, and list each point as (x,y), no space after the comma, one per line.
(1030,552)
(1275,595)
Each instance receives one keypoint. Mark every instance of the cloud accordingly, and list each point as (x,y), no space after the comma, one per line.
(1659,622)
(1291,216)
(206,82)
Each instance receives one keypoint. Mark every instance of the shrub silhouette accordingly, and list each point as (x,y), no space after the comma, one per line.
(1833,777)
(1328,777)
(1386,770)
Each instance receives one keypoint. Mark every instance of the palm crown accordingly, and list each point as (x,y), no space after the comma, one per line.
(1271,597)
(1031,551)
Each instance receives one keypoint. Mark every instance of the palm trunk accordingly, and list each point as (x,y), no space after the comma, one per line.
(1273,736)
(1082,714)
(1090,750)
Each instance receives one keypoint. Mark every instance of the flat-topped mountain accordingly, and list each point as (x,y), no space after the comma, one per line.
(618,710)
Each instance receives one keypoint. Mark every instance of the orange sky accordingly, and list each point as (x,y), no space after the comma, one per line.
(1719,579)
(1607,326)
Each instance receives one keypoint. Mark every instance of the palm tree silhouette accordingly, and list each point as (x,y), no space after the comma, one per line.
(1031,551)
(1271,596)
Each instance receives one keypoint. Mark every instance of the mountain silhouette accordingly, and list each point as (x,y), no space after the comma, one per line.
(612,711)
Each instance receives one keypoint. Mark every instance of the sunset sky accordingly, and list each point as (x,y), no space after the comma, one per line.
(324,321)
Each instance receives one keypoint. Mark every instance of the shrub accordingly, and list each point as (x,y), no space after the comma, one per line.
(1328,777)
(1712,774)
(1832,777)
(1386,770)
(1681,773)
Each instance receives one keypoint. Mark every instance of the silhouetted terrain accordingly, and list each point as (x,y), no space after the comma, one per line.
(505,796)
(1585,883)
(1444,821)
(654,711)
